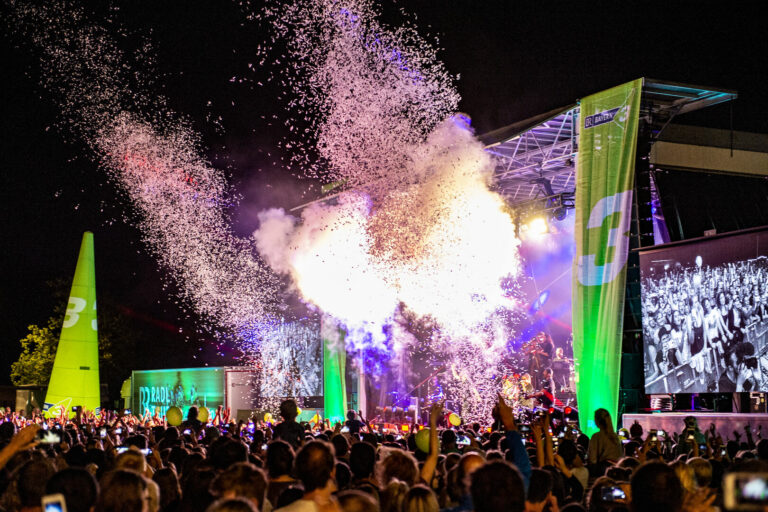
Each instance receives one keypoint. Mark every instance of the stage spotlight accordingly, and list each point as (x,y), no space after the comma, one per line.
(537,226)
(539,302)
(559,213)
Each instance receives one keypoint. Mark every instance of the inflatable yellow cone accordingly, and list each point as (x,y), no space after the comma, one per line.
(75,376)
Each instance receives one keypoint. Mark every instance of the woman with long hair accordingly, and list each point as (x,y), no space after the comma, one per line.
(604,446)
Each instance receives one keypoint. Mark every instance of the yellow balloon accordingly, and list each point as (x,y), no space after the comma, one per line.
(298,410)
(454,419)
(203,414)
(174,416)
(422,440)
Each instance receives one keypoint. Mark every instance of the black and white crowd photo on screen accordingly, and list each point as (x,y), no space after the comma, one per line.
(705,319)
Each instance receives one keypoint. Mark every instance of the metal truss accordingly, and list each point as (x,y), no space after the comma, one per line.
(546,146)
(546,150)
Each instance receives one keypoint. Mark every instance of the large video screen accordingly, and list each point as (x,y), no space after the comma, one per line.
(705,315)
(154,391)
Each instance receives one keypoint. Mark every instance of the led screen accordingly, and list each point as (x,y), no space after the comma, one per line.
(705,315)
(154,391)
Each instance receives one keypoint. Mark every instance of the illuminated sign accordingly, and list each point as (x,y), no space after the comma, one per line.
(154,391)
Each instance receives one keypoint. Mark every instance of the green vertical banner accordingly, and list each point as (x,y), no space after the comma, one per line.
(334,370)
(608,129)
(75,375)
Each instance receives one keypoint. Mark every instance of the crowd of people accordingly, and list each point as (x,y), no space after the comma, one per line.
(699,317)
(117,463)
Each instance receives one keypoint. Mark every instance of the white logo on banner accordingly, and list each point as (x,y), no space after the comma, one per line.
(591,274)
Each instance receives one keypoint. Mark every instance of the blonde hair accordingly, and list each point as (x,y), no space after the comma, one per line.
(686,475)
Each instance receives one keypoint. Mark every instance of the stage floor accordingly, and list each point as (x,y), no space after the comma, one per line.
(725,423)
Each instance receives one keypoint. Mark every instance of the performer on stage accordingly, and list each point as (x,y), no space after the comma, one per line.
(545,396)
(526,387)
(540,357)
(561,370)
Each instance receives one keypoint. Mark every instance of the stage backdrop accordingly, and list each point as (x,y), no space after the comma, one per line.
(605,173)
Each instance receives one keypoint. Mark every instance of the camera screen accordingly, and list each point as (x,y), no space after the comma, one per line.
(54,507)
(48,437)
(753,490)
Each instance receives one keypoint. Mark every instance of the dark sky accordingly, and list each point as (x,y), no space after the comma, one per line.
(515,59)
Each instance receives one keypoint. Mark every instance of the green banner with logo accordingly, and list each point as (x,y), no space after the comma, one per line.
(608,127)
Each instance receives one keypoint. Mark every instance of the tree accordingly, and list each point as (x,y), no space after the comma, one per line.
(38,351)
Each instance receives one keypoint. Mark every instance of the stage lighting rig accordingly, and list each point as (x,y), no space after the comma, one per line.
(533,217)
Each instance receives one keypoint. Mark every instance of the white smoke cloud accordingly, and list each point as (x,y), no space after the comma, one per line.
(445,243)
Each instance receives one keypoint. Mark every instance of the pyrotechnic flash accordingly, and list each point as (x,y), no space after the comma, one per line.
(465,245)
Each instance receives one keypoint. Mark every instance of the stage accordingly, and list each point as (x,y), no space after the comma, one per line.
(725,423)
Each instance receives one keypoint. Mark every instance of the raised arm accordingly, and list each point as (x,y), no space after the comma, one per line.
(23,440)
(428,469)
(514,441)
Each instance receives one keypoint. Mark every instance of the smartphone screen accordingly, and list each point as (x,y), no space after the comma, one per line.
(54,503)
(745,491)
(103,432)
(48,437)
(612,494)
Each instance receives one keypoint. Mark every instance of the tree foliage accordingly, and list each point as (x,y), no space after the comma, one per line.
(38,351)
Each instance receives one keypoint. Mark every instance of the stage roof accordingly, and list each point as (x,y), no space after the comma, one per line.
(545,146)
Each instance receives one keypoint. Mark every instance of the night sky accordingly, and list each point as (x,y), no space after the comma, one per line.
(515,60)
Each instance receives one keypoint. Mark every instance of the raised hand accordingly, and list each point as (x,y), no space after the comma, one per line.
(506,414)
(434,414)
